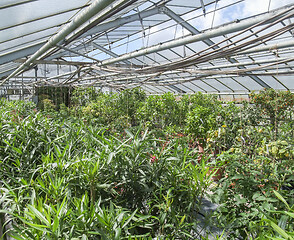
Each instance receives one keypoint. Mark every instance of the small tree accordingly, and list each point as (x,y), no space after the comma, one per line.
(200,120)
(128,103)
(273,104)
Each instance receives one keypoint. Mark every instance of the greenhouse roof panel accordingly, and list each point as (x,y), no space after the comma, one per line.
(178,46)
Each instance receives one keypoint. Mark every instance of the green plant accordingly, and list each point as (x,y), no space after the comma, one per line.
(200,121)
(279,149)
(66,178)
(128,102)
(245,191)
(276,105)
(48,105)
(275,224)
(69,177)
(84,96)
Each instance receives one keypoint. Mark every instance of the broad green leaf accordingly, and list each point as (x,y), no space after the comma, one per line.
(16,236)
(256,195)
(182,220)
(17,150)
(111,155)
(95,233)
(275,238)
(240,200)
(283,221)
(42,228)
(280,231)
(61,208)
(237,176)
(261,198)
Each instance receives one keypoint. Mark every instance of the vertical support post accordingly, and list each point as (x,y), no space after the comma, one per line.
(22,87)
(57,70)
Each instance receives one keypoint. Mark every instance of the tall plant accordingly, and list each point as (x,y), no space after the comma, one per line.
(274,104)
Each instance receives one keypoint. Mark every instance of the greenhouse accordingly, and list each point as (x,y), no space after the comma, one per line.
(146,119)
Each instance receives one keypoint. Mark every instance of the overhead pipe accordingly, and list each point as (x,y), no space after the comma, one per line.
(222,30)
(118,6)
(81,18)
(269,47)
(109,11)
(104,27)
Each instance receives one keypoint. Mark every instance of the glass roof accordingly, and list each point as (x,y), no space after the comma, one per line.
(182,46)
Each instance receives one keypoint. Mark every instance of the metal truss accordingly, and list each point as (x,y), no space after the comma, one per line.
(159,45)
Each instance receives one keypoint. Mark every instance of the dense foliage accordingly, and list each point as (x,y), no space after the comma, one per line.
(70,179)
(126,166)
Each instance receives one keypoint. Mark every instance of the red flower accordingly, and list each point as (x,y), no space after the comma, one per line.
(153,159)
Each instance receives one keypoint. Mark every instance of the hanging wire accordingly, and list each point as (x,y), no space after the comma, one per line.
(148,36)
(176,28)
(128,44)
(269,5)
(184,46)
(214,13)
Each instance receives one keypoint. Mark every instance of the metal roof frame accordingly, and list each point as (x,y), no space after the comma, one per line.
(108,42)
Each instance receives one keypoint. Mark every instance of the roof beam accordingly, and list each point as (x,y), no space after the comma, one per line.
(257,62)
(48,62)
(115,7)
(25,44)
(191,29)
(269,47)
(203,6)
(76,52)
(38,29)
(185,24)
(121,21)
(7,72)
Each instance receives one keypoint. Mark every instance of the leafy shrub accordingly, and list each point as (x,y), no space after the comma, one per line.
(246,190)
(67,179)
